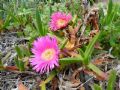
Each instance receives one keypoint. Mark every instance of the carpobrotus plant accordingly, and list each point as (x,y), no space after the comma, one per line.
(49,51)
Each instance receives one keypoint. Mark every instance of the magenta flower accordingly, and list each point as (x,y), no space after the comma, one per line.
(46,53)
(59,20)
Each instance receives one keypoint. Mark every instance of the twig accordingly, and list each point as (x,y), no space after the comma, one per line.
(85,82)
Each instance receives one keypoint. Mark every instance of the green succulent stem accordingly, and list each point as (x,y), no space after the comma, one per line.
(50,77)
(43,86)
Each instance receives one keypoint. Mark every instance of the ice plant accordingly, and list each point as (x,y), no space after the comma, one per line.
(59,20)
(46,53)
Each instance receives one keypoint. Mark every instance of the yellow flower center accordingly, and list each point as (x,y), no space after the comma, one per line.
(48,54)
(61,22)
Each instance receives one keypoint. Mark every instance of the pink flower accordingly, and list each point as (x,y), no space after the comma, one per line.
(59,20)
(46,53)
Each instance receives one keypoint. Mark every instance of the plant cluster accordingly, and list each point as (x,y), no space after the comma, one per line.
(60,35)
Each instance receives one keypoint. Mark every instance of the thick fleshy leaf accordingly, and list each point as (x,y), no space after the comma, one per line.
(96,70)
(111,81)
(97,87)
(20,64)
(89,49)
(70,60)
(63,43)
(81,52)
(19,52)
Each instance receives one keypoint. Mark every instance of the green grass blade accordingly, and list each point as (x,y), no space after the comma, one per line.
(50,7)
(7,21)
(110,17)
(109,12)
(39,23)
(110,7)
